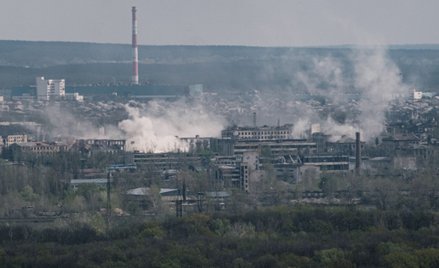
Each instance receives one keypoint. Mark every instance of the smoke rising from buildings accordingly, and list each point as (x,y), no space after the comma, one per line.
(379,81)
(326,77)
(363,95)
(149,127)
(63,123)
(157,125)
(345,95)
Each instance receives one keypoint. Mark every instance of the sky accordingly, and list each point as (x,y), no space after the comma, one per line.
(224,22)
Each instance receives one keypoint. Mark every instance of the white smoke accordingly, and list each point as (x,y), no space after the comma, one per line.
(157,126)
(376,79)
(300,127)
(325,78)
(337,130)
(379,82)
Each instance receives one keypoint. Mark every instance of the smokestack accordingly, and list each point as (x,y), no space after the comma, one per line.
(135,78)
(254,119)
(357,152)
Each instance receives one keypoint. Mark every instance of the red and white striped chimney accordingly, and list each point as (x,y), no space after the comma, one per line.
(135,78)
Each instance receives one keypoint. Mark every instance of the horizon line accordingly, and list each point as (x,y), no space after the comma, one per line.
(394,45)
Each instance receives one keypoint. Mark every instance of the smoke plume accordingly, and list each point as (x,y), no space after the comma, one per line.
(379,82)
(362,96)
(62,122)
(157,125)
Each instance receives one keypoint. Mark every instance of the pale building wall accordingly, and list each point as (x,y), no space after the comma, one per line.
(50,88)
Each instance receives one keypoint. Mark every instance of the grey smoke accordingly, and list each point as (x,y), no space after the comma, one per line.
(62,122)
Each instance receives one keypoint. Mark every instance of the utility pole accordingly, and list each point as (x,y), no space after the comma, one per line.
(200,201)
(181,197)
(108,198)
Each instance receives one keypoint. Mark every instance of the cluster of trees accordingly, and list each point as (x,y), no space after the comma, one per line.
(275,237)
(43,182)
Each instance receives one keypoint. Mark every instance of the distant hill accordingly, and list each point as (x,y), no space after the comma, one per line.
(218,67)
(43,54)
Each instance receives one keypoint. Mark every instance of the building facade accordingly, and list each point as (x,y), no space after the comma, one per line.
(259,133)
(40,148)
(49,89)
(11,139)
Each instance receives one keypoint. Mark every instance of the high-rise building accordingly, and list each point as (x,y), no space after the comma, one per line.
(48,89)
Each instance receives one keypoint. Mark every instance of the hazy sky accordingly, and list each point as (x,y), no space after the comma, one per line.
(225,22)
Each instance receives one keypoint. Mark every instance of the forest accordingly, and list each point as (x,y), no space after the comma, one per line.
(281,236)
(217,67)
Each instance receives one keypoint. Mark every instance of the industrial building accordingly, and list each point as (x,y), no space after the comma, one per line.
(327,163)
(236,171)
(245,153)
(100,145)
(275,147)
(197,143)
(343,146)
(39,148)
(162,163)
(258,133)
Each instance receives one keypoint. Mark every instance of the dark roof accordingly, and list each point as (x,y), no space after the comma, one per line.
(402,137)
(125,90)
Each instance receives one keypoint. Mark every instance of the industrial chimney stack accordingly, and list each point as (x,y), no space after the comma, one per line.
(357,153)
(135,78)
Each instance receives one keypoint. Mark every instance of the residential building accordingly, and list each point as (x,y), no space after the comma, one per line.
(49,89)
(11,139)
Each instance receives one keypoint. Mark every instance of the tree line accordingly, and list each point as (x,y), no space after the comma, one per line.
(281,236)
